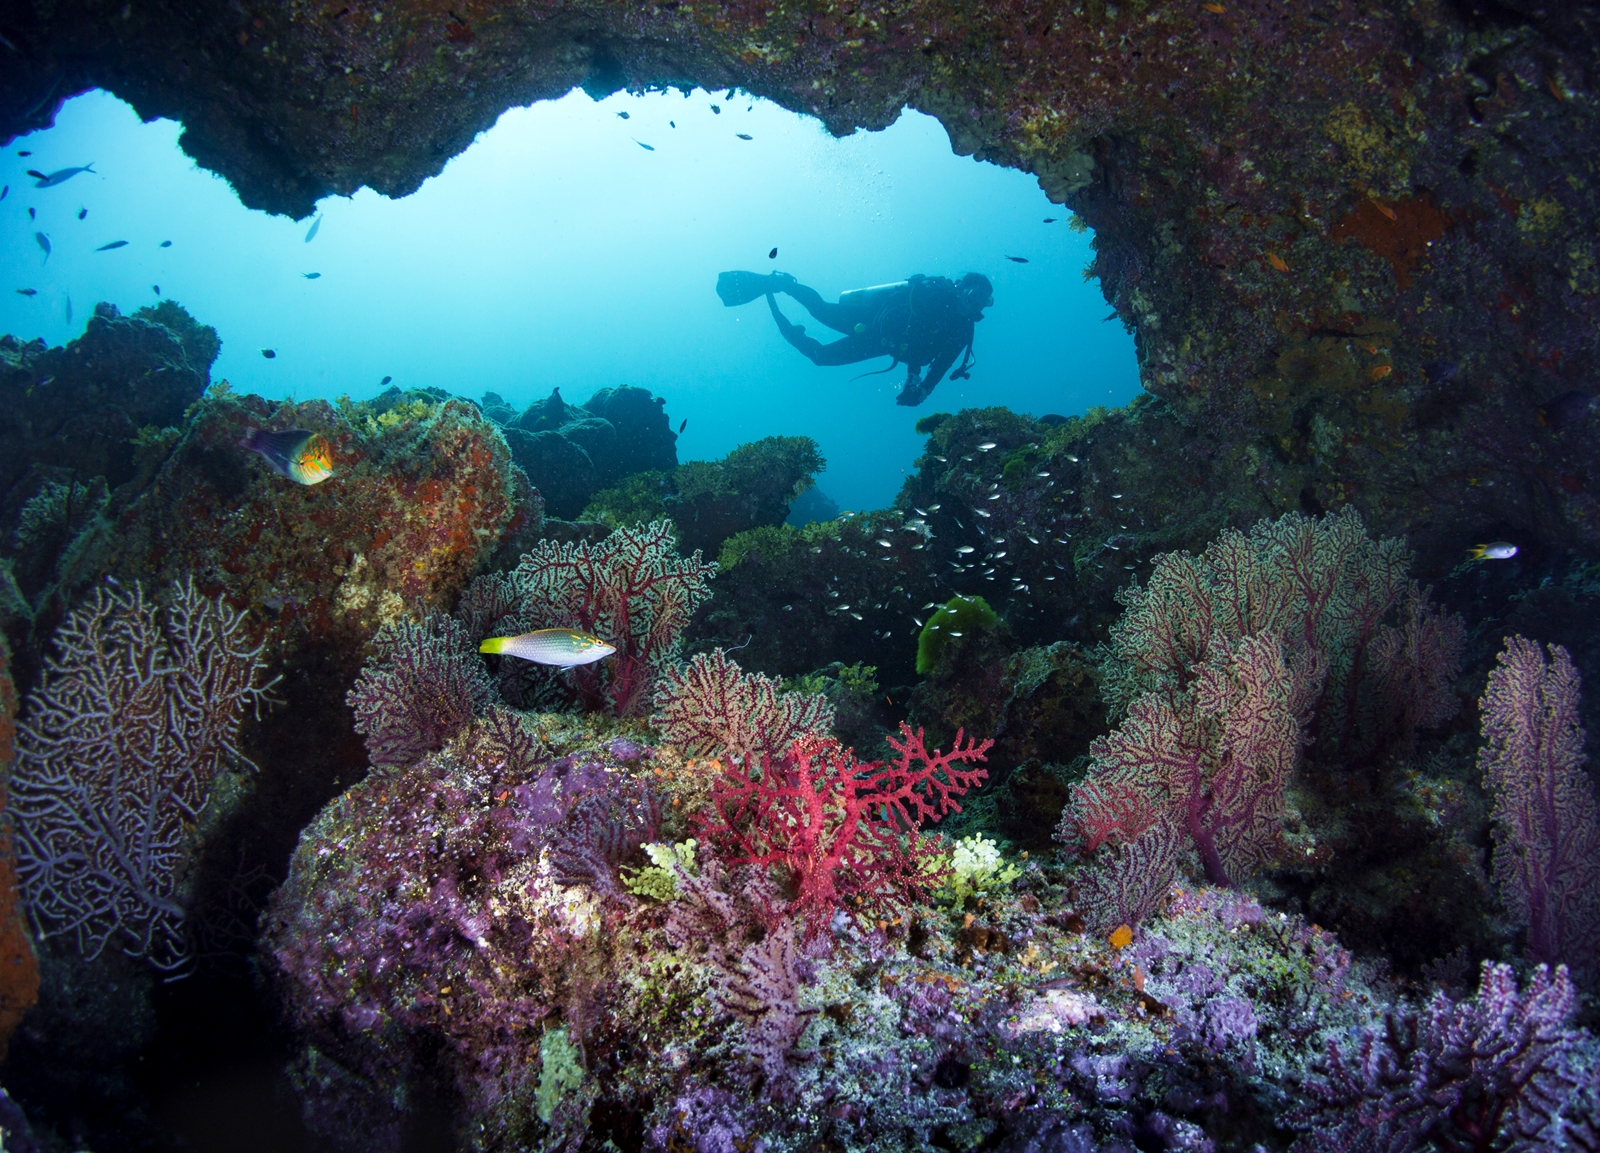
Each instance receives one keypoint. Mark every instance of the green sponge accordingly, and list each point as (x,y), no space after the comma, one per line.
(960,615)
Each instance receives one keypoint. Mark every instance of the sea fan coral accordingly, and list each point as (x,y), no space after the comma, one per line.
(423,685)
(1547,825)
(116,753)
(1328,591)
(839,829)
(711,706)
(632,589)
(1210,763)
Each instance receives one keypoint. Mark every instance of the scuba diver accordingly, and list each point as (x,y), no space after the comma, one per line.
(922,321)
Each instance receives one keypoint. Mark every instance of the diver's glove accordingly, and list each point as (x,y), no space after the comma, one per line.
(912,394)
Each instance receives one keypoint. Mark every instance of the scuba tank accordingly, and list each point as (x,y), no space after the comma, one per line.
(865,298)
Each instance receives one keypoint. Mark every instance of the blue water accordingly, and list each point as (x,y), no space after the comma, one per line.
(557,251)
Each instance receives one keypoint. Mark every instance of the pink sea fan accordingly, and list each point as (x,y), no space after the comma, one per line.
(1547,825)
(632,589)
(1209,764)
(711,706)
(117,749)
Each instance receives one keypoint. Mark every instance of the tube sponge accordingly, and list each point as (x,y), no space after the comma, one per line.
(960,616)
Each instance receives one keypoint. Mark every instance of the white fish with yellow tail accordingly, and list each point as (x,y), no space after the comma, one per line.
(563,648)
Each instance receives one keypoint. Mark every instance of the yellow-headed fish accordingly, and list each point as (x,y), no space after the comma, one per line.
(1499,550)
(303,457)
(563,648)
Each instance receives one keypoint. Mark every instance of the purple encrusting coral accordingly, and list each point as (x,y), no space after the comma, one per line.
(405,904)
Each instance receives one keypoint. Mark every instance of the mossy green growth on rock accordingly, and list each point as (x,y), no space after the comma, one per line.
(560,1071)
(960,616)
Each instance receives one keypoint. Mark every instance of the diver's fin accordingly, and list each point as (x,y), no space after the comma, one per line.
(738,288)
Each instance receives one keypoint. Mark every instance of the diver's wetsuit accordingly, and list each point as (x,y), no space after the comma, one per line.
(920,323)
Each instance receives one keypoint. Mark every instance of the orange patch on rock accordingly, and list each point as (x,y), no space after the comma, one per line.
(1401,235)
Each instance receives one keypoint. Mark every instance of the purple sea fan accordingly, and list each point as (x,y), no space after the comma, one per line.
(711,706)
(116,752)
(422,686)
(1547,830)
(632,590)
(1504,1071)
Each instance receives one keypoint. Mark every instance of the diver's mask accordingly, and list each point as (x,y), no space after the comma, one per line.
(975,293)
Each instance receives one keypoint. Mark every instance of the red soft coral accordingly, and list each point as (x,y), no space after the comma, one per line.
(845,832)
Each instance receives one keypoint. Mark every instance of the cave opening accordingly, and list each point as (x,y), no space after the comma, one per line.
(575,245)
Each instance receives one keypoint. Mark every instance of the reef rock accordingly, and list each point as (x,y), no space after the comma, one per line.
(569,452)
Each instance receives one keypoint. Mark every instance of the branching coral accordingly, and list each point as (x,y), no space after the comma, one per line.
(1506,1070)
(133,719)
(842,831)
(423,685)
(1547,824)
(632,590)
(711,706)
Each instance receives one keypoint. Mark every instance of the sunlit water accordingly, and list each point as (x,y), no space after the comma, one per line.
(557,251)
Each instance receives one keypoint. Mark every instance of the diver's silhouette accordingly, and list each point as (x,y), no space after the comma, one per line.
(922,321)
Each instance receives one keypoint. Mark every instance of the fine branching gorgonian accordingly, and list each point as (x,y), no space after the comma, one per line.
(135,715)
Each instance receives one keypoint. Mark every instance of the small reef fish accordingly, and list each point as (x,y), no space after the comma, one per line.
(60,176)
(1439,371)
(385,381)
(773,255)
(622,115)
(32,215)
(744,136)
(683,425)
(1017,259)
(156,288)
(1568,408)
(43,240)
(1499,550)
(27,292)
(986,446)
(563,648)
(113,244)
(82,212)
(1050,219)
(716,110)
(1277,262)
(4,192)
(268,353)
(166,244)
(23,152)
(672,124)
(1216,9)
(312,275)
(642,144)
(311,233)
(304,457)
